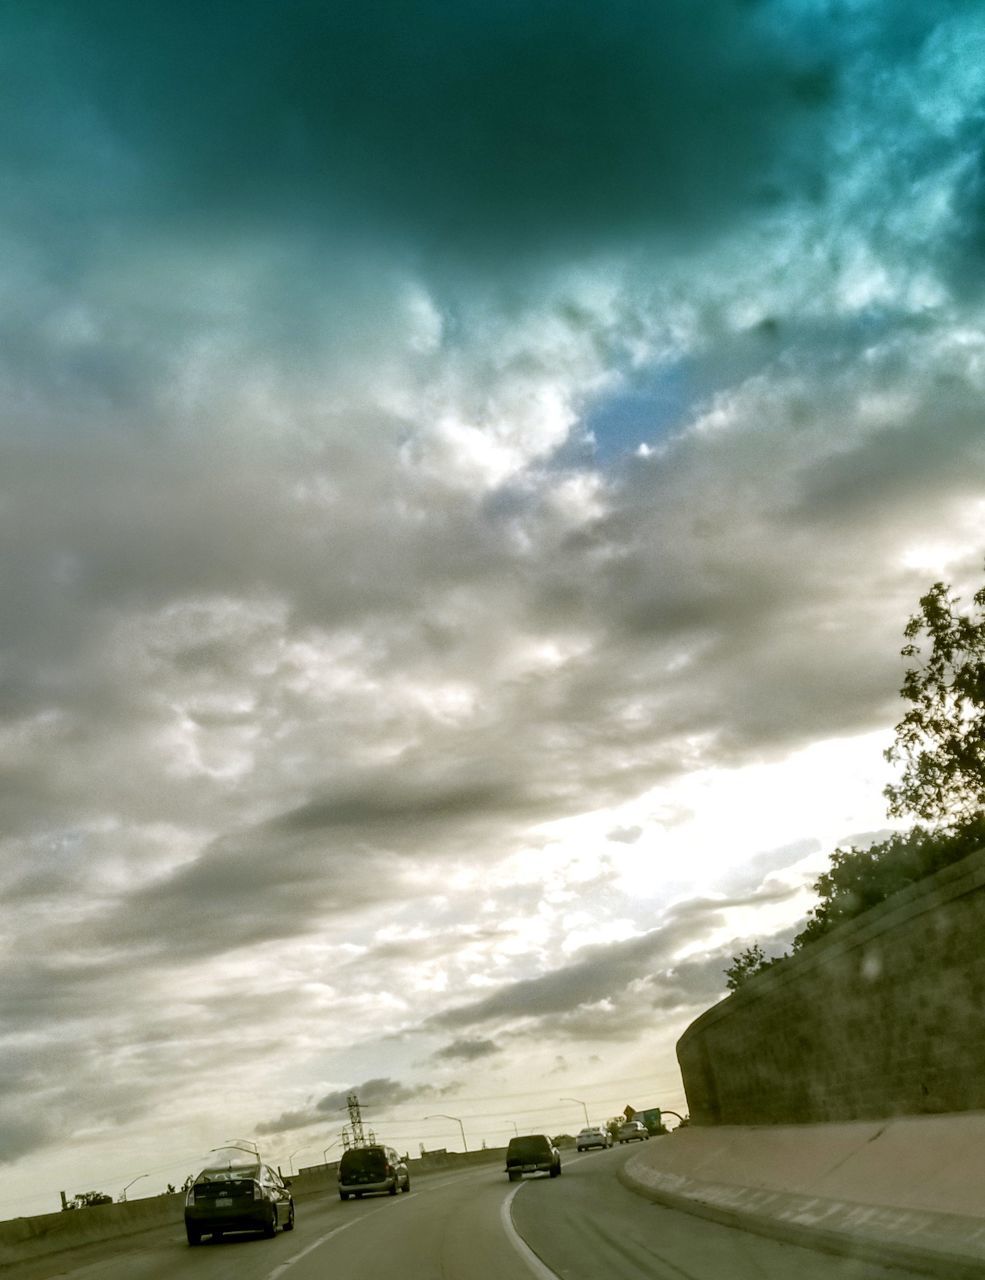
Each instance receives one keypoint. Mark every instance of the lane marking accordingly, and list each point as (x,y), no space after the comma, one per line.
(534,1264)
(279,1270)
(303,1253)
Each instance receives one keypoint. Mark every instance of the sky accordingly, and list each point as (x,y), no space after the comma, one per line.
(464,474)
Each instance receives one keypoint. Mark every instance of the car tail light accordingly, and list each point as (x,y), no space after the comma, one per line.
(190,1197)
(257,1191)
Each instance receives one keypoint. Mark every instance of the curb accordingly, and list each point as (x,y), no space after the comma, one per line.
(941,1263)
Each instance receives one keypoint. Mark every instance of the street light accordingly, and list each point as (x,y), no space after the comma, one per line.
(123,1194)
(244,1144)
(235,1144)
(290,1159)
(581,1104)
(324,1154)
(441,1116)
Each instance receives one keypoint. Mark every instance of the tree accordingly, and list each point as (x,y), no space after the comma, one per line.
(941,739)
(86,1199)
(858,879)
(745,964)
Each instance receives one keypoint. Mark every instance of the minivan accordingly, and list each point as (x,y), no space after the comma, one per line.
(373,1168)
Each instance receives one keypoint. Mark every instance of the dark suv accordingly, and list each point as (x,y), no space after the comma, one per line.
(237,1198)
(532,1153)
(376,1168)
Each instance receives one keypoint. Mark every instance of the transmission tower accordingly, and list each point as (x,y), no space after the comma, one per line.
(355,1121)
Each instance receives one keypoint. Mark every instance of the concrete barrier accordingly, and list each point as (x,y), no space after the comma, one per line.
(22,1238)
(903,1192)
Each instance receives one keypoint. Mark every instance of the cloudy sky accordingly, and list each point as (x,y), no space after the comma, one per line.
(464,473)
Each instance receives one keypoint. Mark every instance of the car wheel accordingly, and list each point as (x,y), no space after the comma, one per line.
(406,1186)
(343,1195)
(511,1175)
(392,1188)
(554,1170)
(289,1224)
(193,1234)
(270,1228)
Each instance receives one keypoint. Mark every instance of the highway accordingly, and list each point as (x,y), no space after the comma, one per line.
(477,1225)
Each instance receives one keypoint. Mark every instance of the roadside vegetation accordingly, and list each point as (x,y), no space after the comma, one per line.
(940,745)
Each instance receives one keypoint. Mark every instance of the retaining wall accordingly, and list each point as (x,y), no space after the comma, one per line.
(885,1017)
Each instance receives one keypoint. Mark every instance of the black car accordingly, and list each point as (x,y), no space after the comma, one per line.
(250,1197)
(372,1168)
(532,1153)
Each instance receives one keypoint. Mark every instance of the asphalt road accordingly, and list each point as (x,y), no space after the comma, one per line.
(472,1226)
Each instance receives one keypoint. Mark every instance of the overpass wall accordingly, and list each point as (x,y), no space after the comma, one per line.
(885,1017)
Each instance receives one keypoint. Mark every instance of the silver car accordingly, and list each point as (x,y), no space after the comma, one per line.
(633,1131)
(593,1136)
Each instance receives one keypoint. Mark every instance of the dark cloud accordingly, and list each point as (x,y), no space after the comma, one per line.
(466,1050)
(472,127)
(20,1134)
(602,972)
(373,1095)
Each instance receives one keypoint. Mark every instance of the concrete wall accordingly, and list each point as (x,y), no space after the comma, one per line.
(885,1017)
(45,1233)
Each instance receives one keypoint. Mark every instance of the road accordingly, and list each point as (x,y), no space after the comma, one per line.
(472,1226)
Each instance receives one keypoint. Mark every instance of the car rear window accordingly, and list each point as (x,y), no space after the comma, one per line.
(363,1160)
(535,1145)
(242,1173)
(215,1183)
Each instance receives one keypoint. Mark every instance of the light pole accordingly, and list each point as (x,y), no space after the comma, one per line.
(581,1104)
(324,1154)
(441,1116)
(237,1144)
(123,1194)
(290,1160)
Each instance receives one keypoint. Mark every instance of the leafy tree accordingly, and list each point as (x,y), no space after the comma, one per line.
(941,744)
(941,739)
(745,964)
(85,1199)
(858,879)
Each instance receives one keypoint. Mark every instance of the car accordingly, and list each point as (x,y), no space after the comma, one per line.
(633,1131)
(593,1136)
(372,1168)
(247,1197)
(532,1153)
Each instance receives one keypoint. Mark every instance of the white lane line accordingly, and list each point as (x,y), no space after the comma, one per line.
(317,1244)
(279,1270)
(534,1264)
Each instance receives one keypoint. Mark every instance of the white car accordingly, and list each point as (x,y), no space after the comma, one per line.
(633,1131)
(593,1136)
